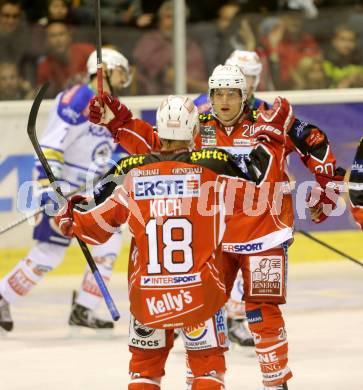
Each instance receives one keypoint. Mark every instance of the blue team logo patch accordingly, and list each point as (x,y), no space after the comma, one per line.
(254,316)
(299,127)
(358,166)
(102,153)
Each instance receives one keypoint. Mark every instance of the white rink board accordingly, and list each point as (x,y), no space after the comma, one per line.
(324,318)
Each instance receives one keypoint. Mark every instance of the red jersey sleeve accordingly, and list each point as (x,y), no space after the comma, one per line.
(313,146)
(137,137)
(96,226)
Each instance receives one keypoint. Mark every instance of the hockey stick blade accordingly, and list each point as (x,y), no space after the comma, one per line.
(31,128)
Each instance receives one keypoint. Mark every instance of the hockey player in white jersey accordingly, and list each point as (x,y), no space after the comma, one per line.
(76,150)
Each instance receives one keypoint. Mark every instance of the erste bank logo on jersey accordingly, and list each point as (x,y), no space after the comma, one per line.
(166,186)
(221,327)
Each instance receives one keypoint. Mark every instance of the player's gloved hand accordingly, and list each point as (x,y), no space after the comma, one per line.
(323,198)
(64,219)
(46,196)
(108,111)
(274,123)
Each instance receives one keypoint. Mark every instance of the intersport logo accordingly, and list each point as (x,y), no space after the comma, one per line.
(168,280)
(169,302)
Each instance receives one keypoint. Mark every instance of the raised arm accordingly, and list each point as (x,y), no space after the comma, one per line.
(267,159)
(315,151)
(134,135)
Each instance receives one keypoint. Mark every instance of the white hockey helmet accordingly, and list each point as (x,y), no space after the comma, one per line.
(112,58)
(249,62)
(176,118)
(228,76)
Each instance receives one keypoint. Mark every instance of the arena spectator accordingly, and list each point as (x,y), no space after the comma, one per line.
(13,32)
(204,10)
(285,43)
(307,6)
(63,60)
(113,12)
(211,37)
(34,9)
(153,56)
(310,74)
(12,86)
(57,10)
(226,14)
(237,35)
(343,59)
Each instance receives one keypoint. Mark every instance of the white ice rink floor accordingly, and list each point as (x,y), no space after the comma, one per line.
(324,320)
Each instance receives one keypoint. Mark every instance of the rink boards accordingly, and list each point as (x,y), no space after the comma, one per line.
(302,250)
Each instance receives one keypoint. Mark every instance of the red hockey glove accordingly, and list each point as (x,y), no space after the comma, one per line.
(322,199)
(64,218)
(273,123)
(112,114)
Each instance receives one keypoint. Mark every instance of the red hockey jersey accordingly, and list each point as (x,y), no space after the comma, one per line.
(177,207)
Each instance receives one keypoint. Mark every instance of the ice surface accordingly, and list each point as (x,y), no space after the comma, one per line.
(324,320)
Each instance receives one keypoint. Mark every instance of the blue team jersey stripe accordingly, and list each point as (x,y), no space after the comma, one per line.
(52,147)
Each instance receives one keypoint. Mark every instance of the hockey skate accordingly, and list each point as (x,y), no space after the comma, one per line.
(278,387)
(239,333)
(83,317)
(6,321)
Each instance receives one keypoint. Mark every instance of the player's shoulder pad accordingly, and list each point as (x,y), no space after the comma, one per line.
(73,104)
(217,160)
(115,176)
(203,118)
(125,165)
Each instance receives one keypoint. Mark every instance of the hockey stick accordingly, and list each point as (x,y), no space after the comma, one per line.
(324,244)
(40,210)
(99,48)
(33,138)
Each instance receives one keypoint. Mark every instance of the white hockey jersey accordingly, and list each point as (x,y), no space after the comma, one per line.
(76,149)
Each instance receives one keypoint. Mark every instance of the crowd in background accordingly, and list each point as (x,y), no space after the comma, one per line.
(303,44)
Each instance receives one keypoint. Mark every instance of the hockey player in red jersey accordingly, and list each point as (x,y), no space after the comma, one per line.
(356,186)
(175,274)
(314,150)
(232,126)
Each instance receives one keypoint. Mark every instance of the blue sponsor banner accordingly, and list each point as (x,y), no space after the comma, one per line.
(342,123)
(22,166)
